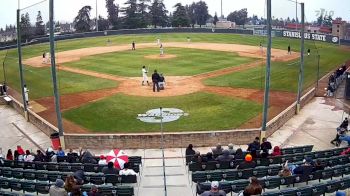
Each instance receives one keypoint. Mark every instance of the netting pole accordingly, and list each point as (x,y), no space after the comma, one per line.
(301,70)
(54,76)
(19,48)
(268,71)
(318,71)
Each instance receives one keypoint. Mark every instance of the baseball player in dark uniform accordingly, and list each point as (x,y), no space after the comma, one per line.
(155,80)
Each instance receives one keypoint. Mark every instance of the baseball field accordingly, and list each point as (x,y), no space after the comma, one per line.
(218,79)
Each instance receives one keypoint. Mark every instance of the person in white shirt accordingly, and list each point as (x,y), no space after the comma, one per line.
(144,76)
(102,160)
(126,171)
(26,95)
(28,157)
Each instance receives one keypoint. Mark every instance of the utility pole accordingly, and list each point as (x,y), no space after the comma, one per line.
(54,75)
(96,17)
(222,15)
(301,70)
(296,15)
(268,72)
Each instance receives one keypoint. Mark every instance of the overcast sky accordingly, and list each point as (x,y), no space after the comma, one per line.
(66,10)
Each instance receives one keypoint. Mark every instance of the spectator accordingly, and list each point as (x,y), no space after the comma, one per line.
(110,169)
(39,156)
(79,177)
(58,189)
(225,156)
(17,156)
(239,154)
(318,165)
(247,163)
(330,90)
(189,153)
(345,138)
(231,149)
(76,191)
(276,151)
(254,187)
(28,157)
(345,152)
(126,171)
(70,184)
(49,154)
(72,156)
(102,160)
(345,124)
(94,191)
(340,132)
(196,157)
(9,155)
(285,172)
(209,157)
(266,145)
(304,169)
(20,150)
(214,190)
(217,150)
(255,145)
(60,152)
(87,157)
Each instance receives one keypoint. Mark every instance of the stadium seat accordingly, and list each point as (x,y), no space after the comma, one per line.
(345,183)
(275,160)
(52,166)
(318,189)
(125,191)
(214,175)
(332,186)
(272,193)
(317,175)
(273,170)
(306,190)
(342,160)
(7,193)
(230,175)
(346,169)
(198,177)
(17,173)
(226,164)
(15,184)
(29,174)
(195,167)
(201,187)
(42,187)
(107,190)
(28,186)
(262,162)
(19,164)
(52,176)
(7,172)
(338,170)
(225,186)
(272,182)
(287,180)
(129,179)
(113,179)
(29,165)
(77,166)
(309,155)
(88,167)
(4,183)
(9,163)
(239,185)
(95,178)
(211,165)
(245,174)
(41,165)
(260,171)
(86,187)
(327,173)
(288,192)
(65,167)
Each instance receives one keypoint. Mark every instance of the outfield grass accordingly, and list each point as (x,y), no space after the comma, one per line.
(284,75)
(118,113)
(188,62)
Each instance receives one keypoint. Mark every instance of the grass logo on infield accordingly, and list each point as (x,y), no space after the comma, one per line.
(168,115)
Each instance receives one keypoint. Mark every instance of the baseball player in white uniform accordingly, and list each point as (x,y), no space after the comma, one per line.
(144,75)
(161,50)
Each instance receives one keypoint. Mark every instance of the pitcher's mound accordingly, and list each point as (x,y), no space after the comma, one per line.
(158,56)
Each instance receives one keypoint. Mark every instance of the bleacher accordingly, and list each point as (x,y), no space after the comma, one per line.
(334,177)
(37,177)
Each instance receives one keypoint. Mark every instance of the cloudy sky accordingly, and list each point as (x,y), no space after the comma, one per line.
(66,10)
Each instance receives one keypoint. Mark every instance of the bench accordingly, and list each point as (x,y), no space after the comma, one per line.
(7,99)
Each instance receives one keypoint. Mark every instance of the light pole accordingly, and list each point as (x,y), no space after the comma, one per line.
(96,18)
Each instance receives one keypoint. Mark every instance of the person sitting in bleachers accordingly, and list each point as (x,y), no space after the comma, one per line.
(110,169)
(49,154)
(239,154)
(87,157)
(79,177)
(20,150)
(318,165)
(345,138)
(17,156)
(196,157)
(208,157)
(28,157)
(247,163)
(214,191)
(231,149)
(265,146)
(40,157)
(102,160)
(70,184)
(189,153)
(254,187)
(9,155)
(58,189)
(276,151)
(72,156)
(304,169)
(126,171)
(254,147)
(217,150)
(344,124)
(285,172)
(60,152)
(225,156)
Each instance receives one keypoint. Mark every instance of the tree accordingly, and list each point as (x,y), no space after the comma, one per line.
(216,19)
(131,18)
(239,17)
(82,20)
(39,25)
(158,13)
(201,13)
(26,29)
(180,18)
(113,11)
(328,20)
(190,13)
(143,7)
(103,24)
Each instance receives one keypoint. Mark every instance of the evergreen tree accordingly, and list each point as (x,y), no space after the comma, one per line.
(180,18)
(190,11)
(103,24)
(113,11)
(26,29)
(82,20)
(39,25)
(158,13)
(143,8)
(201,13)
(131,18)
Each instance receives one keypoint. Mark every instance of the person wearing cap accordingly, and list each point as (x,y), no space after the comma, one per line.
(247,163)
(217,150)
(231,149)
(58,189)
(102,160)
(214,191)
(225,157)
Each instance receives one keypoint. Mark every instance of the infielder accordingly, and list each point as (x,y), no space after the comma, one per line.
(158,41)
(289,51)
(161,50)
(144,76)
(44,57)
(261,49)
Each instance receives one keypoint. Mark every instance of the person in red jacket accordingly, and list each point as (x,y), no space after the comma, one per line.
(9,155)
(20,150)
(345,152)
(276,151)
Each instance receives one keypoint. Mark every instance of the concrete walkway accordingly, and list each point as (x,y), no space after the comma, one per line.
(315,125)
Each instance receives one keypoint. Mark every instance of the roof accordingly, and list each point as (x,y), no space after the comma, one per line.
(325,30)
(338,22)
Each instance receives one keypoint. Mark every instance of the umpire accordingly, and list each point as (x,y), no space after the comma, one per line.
(155,80)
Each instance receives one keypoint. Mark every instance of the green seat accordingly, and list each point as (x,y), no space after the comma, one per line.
(272,193)
(42,187)
(41,175)
(4,183)
(95,178)
(338,170)
(202,187)
(7,172)
(29,174)
(230,175)
(318,189)
(15,184)
(125,191)
(287,180)
(345,183)
(288,192)
(260,171)
(17,173)
(28,186)
(199,176)
(272,182)
(332,186)
(327,173)
(273,170)
(107,190)
(245,173)
(214,175)
(306,190)
(86,187)
(239,185)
